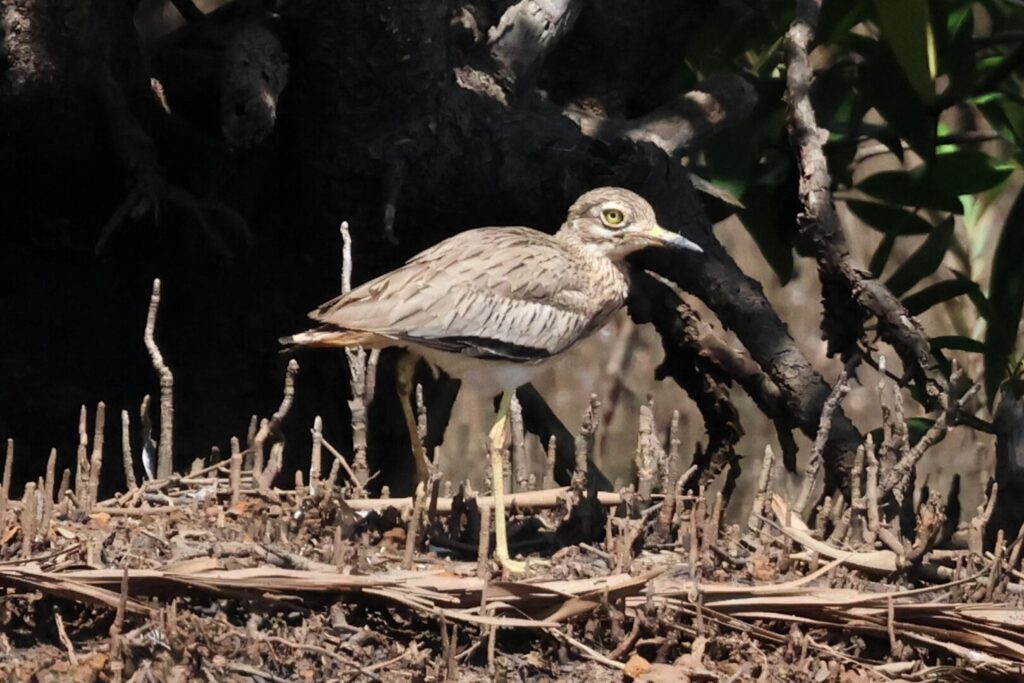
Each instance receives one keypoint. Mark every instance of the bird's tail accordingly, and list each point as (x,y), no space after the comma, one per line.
(333,337)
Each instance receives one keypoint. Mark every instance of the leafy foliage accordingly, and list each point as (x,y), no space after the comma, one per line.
(937,86)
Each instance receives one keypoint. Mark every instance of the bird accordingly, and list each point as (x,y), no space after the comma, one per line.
(493,306)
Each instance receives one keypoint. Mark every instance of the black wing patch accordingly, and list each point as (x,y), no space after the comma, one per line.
(484,349)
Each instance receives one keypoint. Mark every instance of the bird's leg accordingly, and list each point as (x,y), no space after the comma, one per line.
(406,393)
(497,444)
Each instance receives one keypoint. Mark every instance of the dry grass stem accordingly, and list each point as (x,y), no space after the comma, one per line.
(96,460)
(272,427)
(977,525)
(165,459)
(871,497)
(816,460)
(82,459)
(483,551)
(761,494)
(413,532)
(47,491)
(360,368)
(316,456)
(5,485)
(341,464)
(235,477)
(250,432)
(127,460)
(646,457)
(584,446)
(897,478)
(273,468)
(29,519)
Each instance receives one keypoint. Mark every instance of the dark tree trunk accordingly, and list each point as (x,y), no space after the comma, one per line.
(396,117)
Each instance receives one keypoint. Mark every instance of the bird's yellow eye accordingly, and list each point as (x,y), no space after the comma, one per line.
(613,218)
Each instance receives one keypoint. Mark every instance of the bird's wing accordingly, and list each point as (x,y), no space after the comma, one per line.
(509,293)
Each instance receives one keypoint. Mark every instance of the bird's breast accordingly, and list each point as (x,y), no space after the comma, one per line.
(487,376)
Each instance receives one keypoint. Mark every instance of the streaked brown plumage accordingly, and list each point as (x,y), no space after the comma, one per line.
(490,306)
(513,297)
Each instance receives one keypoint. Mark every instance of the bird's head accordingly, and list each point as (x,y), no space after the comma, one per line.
(616,222)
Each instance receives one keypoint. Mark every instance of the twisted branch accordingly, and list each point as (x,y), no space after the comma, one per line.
(843,280)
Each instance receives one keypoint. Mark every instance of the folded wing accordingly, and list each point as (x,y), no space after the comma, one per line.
(503,293)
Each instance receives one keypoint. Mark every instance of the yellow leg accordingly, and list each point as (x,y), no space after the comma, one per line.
(497,444)
(406,394)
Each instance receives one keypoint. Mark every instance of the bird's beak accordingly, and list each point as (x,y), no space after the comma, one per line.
(671,239)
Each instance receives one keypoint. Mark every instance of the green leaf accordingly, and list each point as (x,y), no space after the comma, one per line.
(838,17)
(888,90)
(918,427)
(768,234)
(906,27)
(836,102)
(924,261)
(772,203)
(909,189)
(889,219)
(958,343)
(919,302)
(1005,115)
(731,157)
(978,298)
(881,255)
(715,191)
(966,171)
(955,35)
(1006,298)
(938,185)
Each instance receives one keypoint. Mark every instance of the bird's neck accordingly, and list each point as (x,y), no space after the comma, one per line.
(589,250)
(612,272)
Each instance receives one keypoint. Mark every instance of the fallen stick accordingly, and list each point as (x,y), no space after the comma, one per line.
(544,499)
(876,562)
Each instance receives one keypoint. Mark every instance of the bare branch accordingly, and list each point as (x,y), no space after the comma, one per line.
(843,281)
(5,486)
(898,477)
(273,426)
(82,455)
(360,369)
(47,490)
(127,461)
(235,476)
(315,458)
(96,459)
(761,494)
(165,459)
(685,122)
(817,457)
(526,34)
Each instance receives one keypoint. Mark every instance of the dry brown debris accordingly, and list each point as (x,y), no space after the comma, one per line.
(219,575)
(172,581)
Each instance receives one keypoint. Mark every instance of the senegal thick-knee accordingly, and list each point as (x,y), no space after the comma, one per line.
(492,306)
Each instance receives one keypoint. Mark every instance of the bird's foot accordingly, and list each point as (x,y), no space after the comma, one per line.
(519,567)
(510,565)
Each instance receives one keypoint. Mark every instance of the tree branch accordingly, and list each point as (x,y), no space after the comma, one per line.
(691,346)
(714,104)
(525,36)
(843,281)
(692,368)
